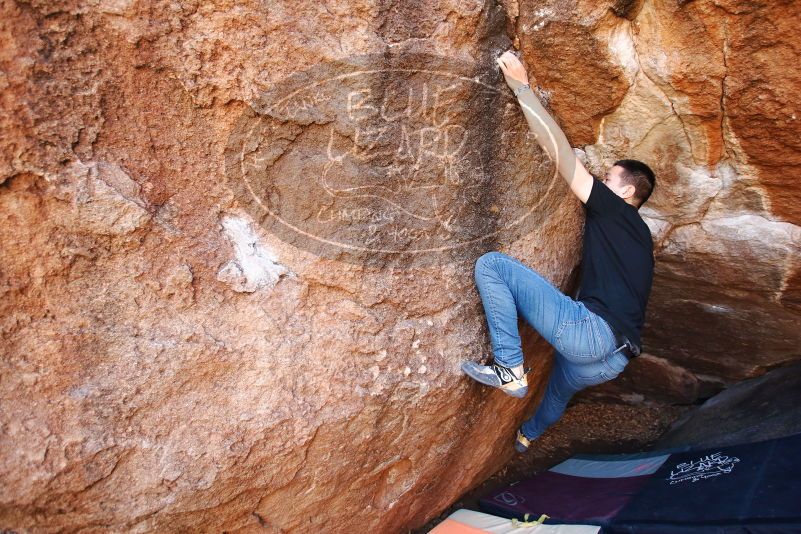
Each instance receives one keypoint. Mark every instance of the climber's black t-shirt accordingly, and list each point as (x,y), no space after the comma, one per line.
(618,261)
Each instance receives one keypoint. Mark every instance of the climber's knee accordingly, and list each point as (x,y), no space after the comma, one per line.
(486,260)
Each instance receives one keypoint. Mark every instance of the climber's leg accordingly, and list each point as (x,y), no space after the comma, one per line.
(566,379)
(554,402)
(507,287)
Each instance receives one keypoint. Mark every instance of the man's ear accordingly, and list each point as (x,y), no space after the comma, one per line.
(629,191)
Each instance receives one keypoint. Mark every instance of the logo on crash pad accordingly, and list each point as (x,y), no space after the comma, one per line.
(390,159)
(708,466)
(509,498)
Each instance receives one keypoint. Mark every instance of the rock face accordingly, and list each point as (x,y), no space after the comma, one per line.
(238,240)
(757,409)
(709,105)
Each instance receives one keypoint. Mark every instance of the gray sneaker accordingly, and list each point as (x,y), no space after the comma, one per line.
(498,376)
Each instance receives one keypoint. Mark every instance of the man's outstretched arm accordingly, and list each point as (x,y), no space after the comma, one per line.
(547,133)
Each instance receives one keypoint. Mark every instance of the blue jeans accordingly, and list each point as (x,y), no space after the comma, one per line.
(584,344)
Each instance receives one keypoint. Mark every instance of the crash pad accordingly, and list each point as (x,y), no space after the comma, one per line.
(472,522)
(585,489)
(753,487)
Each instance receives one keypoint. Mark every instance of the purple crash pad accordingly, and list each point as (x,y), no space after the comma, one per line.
(565,498)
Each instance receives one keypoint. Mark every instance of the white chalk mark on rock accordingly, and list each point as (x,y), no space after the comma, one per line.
(255,266)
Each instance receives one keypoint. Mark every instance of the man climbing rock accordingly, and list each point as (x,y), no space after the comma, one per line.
(595,336)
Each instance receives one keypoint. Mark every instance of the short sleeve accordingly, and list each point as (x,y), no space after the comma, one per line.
(602,200)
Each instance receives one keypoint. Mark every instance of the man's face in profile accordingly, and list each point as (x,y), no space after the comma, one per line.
(612,180)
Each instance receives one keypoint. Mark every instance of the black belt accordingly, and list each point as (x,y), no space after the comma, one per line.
(629,350)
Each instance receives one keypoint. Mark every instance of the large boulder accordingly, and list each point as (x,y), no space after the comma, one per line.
(238,243)
(757,409)
(175,360)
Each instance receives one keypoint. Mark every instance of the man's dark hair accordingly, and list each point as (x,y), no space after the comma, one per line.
(639,175)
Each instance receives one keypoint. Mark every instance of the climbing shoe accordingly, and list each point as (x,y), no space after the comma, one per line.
(498,376)
(522,443)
